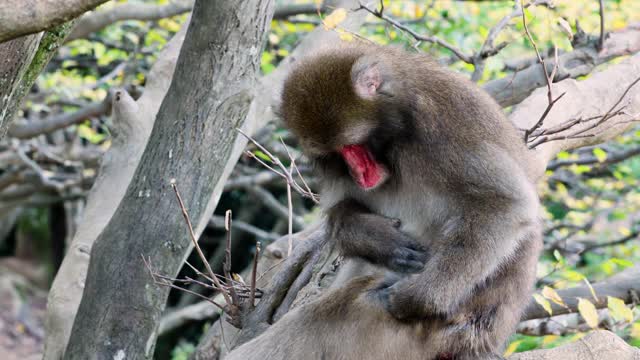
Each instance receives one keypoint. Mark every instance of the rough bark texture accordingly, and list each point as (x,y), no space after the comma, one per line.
(132,122)
(23,60)
(20,17)
(192,138)
(598,345)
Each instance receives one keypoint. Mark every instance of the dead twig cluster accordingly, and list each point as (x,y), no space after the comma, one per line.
(231,286)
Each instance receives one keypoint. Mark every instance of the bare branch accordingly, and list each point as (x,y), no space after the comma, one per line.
(514,88)
(25,130)
(430,39)
(612,158)
(97,20)
(601,42)
(274,205)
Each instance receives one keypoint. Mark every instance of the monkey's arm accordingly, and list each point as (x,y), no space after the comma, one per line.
(360,233)
(495,211)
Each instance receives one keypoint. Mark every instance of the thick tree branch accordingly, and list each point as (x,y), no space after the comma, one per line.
(26,57)
(27,130)
(18,19)
(514,88)
(612,158)
(97,20)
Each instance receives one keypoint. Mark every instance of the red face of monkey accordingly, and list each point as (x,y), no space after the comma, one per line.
(339,118)
(365,170)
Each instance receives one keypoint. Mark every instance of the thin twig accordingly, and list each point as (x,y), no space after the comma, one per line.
(611,113)
(195,244)
(431,39)
(601,42)
(290,206)
(252,294)
(284,173)
(548,78)
(164,282)
(227,262)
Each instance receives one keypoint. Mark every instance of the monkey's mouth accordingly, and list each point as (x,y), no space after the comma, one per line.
(365,170)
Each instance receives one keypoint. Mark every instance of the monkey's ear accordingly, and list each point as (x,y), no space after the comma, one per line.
(369,75)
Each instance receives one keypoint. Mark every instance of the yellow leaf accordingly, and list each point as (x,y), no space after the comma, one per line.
(548,339)
(512,348)
(544,303)
(618,310)
(600,154)
(624,231)
(552,295)
(237,277)
(588,312)
(345,36)
(334,19)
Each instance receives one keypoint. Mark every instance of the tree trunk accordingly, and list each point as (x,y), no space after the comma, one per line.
(193,136)
(132,124)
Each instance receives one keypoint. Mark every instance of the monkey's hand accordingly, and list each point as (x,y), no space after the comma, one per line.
(402,299)
(375,238)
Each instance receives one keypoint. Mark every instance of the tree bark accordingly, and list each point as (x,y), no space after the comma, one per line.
(20,17)
(192,138)
(132,124)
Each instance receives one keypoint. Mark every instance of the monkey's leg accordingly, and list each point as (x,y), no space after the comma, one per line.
(484,324)
(360,233)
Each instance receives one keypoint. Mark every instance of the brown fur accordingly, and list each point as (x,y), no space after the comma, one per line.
(457,184)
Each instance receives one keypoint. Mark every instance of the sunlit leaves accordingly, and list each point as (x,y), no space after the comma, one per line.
(600,154)
(546,305)
(550,294)
(618,310)
(334,19)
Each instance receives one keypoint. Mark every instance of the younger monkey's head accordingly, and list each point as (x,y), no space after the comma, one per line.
(334,102)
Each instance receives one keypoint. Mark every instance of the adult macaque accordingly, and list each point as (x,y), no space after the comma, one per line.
(395,136)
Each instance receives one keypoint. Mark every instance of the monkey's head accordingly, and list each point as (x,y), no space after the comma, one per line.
(337,104)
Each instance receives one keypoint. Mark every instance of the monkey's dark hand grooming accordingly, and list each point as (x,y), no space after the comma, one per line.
(395,136)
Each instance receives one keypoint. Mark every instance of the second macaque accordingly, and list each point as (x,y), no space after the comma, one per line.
(422,174)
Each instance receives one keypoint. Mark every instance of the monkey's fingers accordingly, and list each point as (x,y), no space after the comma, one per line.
(406,266)
(406,260)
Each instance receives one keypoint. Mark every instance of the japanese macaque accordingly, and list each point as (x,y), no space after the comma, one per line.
(423,175)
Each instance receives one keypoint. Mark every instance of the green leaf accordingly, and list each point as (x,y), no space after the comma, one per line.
(262,155)
(563,155)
